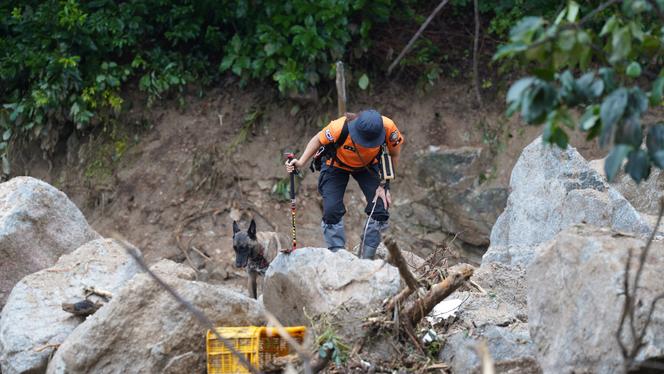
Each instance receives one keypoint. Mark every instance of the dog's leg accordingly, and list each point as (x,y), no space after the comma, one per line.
(252,284)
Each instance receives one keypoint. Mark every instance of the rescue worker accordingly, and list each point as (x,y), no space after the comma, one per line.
(357,156)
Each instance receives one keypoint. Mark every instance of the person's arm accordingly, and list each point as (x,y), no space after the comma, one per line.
(311,148)
(394,154)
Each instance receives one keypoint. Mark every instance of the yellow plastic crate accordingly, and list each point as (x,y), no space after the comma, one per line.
(259,344)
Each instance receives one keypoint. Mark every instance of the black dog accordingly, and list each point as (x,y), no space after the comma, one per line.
(254,250)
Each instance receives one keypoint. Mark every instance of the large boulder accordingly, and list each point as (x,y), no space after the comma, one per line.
(575,300)
(144,330)
(38,224)
(553,189)
(33,323)
(314,282)
(459,201)
(497,315)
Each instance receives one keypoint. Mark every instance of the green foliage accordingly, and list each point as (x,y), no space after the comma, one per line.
(595,65)
(65,63)
(329,340)
(68,62)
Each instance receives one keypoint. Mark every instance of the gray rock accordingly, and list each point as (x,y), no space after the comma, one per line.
(143,330)
(553,189)
(509,347)
(33,322)
(498,317)
(575,300)
(314,282)
(412,260)
(458,200)
(644,196)
(38,224)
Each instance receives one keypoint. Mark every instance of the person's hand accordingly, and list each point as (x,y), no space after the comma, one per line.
(382,193)
(293,164)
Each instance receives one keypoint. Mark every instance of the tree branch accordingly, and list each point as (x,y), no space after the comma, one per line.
(459,274)
(417,35)
(476,44)
(401,264)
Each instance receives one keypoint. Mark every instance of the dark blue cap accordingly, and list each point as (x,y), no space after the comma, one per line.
(367,129)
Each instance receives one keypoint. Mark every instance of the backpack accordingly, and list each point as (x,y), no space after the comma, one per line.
(329,151)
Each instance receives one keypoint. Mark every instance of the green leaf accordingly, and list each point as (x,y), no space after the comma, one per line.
(572,11)
(226,62)
(538,100)
(589,87)
(609,26)
(615,159)
(655,144)
(516,90)
(637,102)
(609,78)
(566,40)
(7,135)
(524,30)
(553,134)
(656,92)
(630,132)
(633,69)
(638,165)
(621,44)
(589,118)
(270,49)
(509,50)
(6,166)
(363,82)
(612,109)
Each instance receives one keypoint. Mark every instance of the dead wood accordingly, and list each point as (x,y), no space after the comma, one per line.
(399,298)
(401,264)
(416,36)
(458,275)
(341,88)
(476,46)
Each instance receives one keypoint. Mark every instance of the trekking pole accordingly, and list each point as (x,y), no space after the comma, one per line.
(290,157)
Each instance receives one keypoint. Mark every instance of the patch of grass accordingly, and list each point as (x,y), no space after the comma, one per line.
(105,153)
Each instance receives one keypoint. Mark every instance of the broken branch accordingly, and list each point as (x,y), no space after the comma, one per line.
(417,35)
(459,274)
(401,264)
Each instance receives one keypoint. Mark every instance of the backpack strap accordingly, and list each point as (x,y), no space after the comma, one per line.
(342,137)
(338,144)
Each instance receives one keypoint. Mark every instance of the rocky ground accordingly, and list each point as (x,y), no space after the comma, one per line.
(547,297)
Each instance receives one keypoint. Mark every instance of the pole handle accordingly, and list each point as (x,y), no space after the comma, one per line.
(290,157)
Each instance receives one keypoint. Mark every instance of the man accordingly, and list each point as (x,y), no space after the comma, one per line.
(364,134)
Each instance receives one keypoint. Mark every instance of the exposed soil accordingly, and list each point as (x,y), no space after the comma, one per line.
(172,174)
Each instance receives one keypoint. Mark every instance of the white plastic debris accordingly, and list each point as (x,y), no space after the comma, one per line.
(444,310)
(429,337)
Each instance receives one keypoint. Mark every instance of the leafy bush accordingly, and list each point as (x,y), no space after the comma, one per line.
(66,62)
(607,64)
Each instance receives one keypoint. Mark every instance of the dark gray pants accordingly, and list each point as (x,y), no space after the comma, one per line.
(332,184)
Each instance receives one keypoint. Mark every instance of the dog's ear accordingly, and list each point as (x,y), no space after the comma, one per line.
(252,230)
(236,228)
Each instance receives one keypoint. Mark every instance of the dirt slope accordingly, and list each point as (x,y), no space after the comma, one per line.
(185,173)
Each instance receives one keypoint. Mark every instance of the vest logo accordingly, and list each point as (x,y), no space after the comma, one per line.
(328,135)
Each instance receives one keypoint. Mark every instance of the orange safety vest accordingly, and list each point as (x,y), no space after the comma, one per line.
(353,156)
